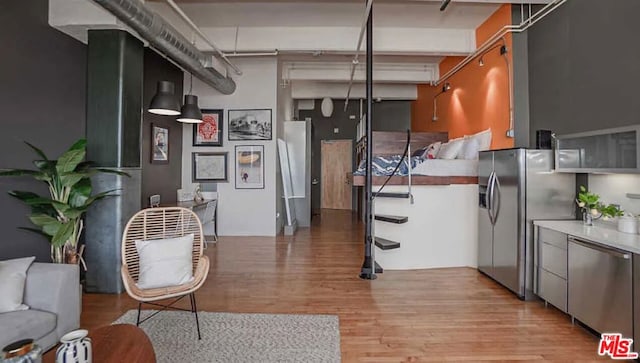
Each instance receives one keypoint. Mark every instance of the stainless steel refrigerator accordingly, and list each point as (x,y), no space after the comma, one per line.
(516,187)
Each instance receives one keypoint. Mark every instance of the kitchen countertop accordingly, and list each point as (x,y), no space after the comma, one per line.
(600,233)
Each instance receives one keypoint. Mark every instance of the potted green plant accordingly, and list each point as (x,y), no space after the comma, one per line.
(59,216)
(593,209)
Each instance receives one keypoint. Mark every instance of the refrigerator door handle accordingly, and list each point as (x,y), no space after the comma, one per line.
(490,195)
(495,204)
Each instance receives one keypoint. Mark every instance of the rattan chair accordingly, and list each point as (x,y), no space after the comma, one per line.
(161,223)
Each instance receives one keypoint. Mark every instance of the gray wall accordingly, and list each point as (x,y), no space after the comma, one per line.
(163,179)
(42,98)
(387,116)
(322,129)
(391,115)
(584,67)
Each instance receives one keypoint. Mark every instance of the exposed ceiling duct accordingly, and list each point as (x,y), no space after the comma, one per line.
(166,39)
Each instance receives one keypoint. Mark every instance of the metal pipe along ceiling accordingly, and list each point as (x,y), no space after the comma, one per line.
(165,38)
(195,28)
(548,9)
(355,61)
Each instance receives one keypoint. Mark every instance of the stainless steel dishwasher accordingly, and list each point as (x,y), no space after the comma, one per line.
(600,287)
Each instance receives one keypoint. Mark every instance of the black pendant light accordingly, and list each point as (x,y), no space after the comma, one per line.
(165,102)
(190,112)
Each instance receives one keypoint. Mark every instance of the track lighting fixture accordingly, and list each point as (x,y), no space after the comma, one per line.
(164,102)
(445,87)
(444,4)
(503,51)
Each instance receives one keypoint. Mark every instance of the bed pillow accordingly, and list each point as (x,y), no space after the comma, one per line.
(165,262)
(450,150)
(483,138)
(421,152)
(428,152)
(470,149)
(13,275)
(433,150)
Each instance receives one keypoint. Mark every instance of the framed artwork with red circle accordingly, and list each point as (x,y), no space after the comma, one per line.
(209,132)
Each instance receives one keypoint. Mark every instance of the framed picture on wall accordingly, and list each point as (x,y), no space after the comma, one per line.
(249,171)
(159,145)
(209,132)
(249,125)
(209,167)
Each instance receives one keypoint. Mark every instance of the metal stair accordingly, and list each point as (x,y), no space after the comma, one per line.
(385,244)
(392,195)
(370,238)
(391,219)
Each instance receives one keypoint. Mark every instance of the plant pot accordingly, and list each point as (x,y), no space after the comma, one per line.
(628,224)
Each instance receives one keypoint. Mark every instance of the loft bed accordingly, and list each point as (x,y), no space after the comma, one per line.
(440,223)
(429,172)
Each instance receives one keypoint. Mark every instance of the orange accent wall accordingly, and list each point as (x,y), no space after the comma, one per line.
(479,96)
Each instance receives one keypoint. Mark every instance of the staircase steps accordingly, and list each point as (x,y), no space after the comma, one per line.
(392,195)
(385,244)
(391,219)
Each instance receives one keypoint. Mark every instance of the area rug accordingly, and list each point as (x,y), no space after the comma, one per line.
(228,337)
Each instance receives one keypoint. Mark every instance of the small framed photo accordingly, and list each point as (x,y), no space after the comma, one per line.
(159,145)
(249,167)
(209,132)
(249,125)
(209,167)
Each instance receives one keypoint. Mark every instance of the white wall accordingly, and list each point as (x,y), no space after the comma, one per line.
(613,188)
(442,230)
(241,212)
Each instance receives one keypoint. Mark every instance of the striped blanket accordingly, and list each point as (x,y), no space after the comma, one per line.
(384,165)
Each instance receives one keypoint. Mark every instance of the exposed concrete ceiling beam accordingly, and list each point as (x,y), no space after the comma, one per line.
(314,90)
(410,73)
(417,41)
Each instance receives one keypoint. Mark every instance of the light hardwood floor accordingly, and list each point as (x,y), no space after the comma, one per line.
(403,316)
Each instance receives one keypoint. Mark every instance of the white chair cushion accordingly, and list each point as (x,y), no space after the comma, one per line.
(450,150)
(483,138)
(165,262)
(13,274)
(470,149)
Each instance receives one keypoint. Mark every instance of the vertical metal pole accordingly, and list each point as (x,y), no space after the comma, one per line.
(368,270)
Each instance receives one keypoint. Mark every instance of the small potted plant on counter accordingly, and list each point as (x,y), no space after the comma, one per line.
(593,209)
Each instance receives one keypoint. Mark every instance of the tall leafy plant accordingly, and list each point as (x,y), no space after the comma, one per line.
(58,216)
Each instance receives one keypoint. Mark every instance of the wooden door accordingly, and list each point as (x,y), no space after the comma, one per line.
(336,162)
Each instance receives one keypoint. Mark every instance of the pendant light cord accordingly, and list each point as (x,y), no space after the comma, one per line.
(191,84)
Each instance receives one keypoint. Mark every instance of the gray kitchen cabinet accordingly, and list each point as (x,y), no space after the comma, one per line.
(600,286)
(550,260)
(636,302)
(610,150)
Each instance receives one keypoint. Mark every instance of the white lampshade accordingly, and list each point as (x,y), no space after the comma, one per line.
(326,107)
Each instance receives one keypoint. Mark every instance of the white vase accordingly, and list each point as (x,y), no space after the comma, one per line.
(75,348)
